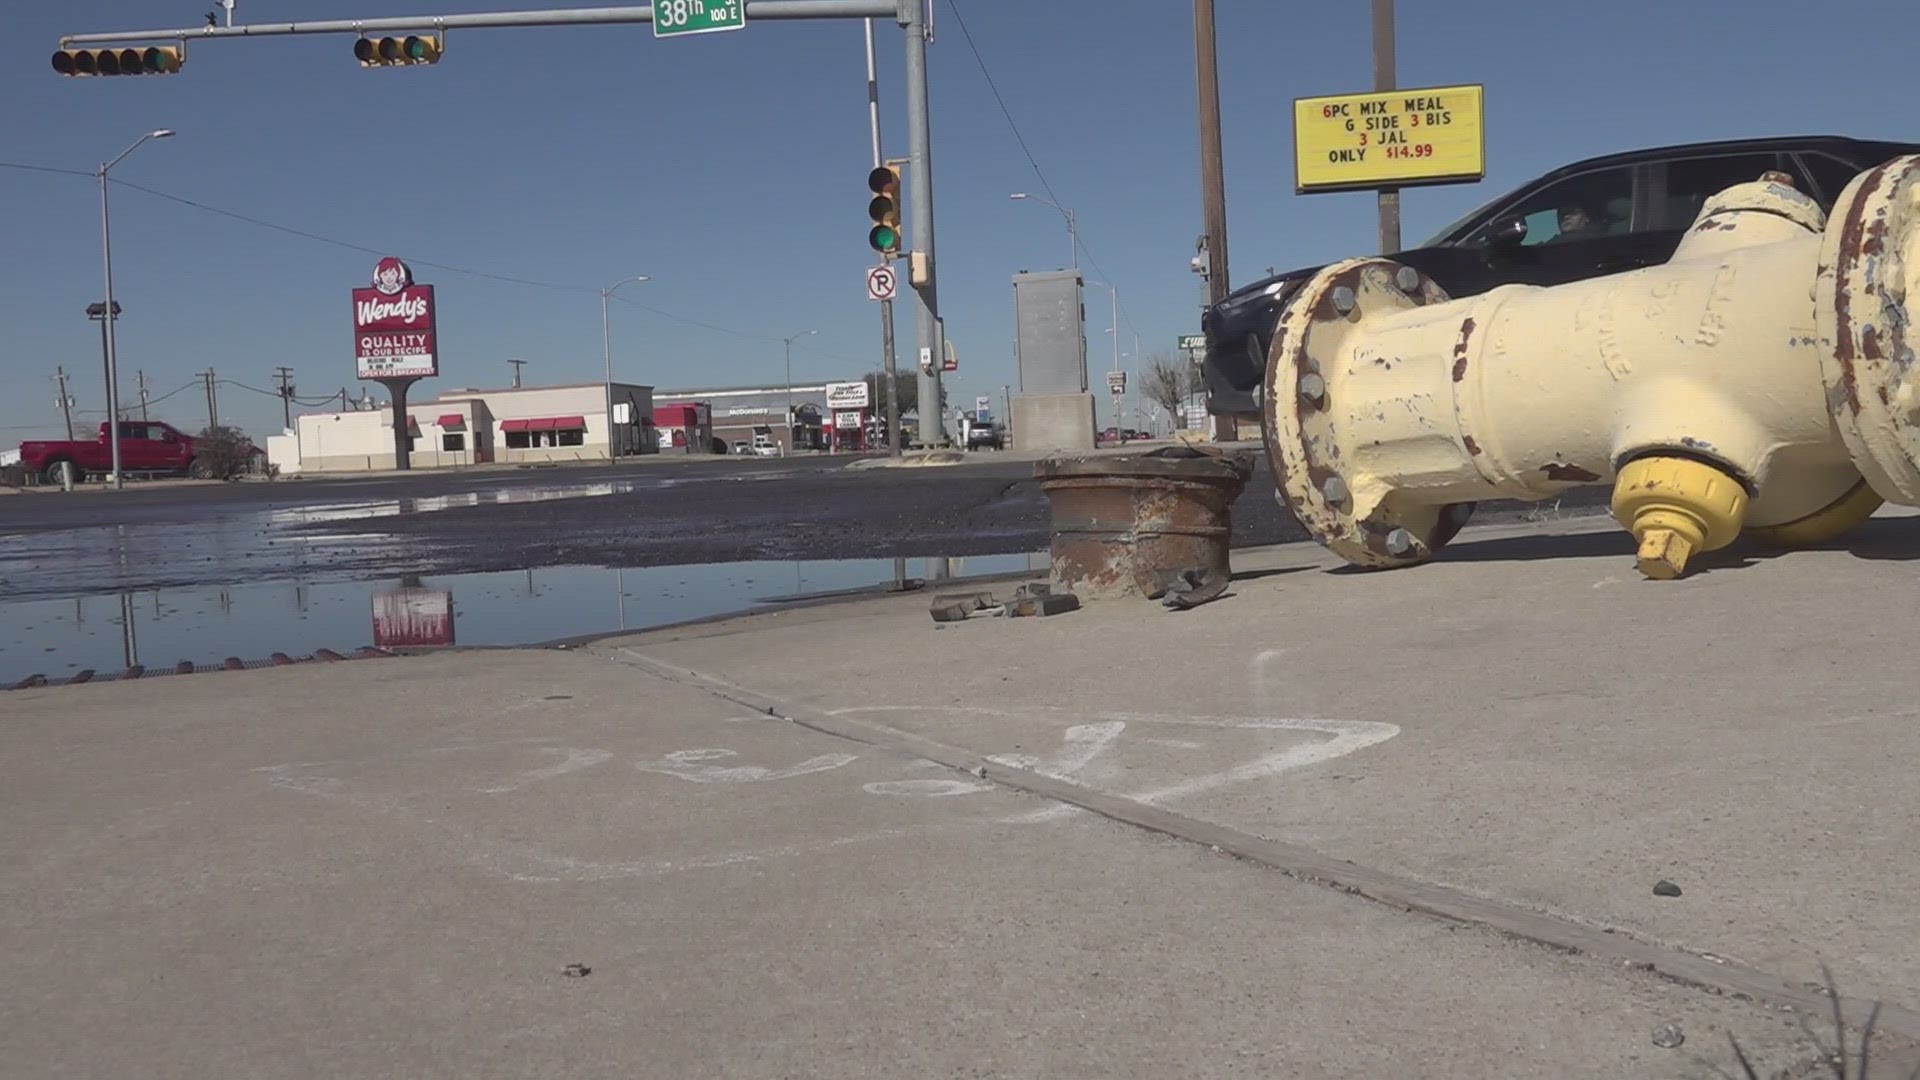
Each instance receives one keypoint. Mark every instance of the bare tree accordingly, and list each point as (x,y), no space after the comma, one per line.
(1167,384)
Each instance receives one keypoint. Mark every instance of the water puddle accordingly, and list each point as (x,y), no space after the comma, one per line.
(158,628)
(426,504)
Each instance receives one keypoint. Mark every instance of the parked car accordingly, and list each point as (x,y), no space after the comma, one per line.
(1600,216)
(146,446)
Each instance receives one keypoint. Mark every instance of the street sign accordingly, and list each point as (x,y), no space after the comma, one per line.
(1192,342)
(1393,139)
(671,18)
(1117,382)
(393,326)
(882,283)
(982,406)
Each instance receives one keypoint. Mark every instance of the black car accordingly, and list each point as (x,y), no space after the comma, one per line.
(1600,216)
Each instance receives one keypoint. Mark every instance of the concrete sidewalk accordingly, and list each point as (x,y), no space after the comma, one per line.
(382,869)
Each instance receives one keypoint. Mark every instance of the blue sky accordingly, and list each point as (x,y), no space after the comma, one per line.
(731,167)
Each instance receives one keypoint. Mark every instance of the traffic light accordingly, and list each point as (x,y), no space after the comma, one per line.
(144,60)
(884,209)
(398,51)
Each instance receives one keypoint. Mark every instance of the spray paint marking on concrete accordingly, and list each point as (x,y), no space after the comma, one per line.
(689,765)
(1085,743)
(575,761)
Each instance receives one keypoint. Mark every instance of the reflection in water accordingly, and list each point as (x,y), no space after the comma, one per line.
(59,637)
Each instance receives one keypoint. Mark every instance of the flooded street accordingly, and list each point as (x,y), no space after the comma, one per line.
(206,624)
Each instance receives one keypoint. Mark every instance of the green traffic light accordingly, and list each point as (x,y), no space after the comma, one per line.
(883,238)
(416,48)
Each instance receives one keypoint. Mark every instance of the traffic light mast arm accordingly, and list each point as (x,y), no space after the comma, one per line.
(755,9)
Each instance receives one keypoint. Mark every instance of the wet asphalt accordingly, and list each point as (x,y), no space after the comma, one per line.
(653,513)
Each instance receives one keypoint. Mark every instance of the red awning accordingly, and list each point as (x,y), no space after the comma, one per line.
(545,423)
(453,420)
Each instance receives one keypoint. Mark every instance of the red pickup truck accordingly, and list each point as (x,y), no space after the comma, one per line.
(146,446)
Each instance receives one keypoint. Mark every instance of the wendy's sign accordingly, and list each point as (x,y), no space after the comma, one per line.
(393,326)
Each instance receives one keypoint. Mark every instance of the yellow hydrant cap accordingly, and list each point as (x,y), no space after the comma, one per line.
(1675,507)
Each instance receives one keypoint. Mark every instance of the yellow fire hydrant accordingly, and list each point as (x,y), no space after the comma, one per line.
(1756,383)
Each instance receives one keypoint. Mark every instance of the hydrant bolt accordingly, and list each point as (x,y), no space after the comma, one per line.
(1399,542)
(1407,278)
(1344,299)
(1313,389)
(1334,490)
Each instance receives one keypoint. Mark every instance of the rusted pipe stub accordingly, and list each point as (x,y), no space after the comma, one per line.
(1867,347)
(1766,195)
(1302,435)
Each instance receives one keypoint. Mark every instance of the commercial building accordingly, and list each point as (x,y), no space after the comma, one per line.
(476,427)
(738,411)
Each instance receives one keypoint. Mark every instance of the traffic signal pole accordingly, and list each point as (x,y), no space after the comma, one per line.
(926,309)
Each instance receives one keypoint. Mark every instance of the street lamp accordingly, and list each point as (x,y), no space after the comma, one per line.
(606,350)
(1073,237)
(109,309)
(789,344)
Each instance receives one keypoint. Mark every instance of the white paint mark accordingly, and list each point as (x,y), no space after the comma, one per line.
(687,765)
(1087,741)
(930,789)
(1172,744)
(1084,742)
(523,862)
(1257,674)
(575,761)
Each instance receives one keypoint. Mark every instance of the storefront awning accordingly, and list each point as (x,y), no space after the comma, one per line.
(545,423)
(453,421)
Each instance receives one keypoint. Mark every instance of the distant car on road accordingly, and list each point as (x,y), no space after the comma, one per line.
(981,435)
(146,446)
(1601,216)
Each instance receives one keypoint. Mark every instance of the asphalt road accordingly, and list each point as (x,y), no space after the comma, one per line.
(652,513)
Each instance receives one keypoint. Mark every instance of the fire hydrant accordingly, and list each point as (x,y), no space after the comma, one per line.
(1756,383)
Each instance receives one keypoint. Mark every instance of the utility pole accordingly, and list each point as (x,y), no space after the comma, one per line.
(66,403)
(517,365)
(1383,79)
(895,439)
(1213,185)
(213,405)
(285,375)
(141,377)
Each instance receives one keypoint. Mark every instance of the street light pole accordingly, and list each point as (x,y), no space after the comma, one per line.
(106,257)
(788,342)
(606,351)
(1073,235)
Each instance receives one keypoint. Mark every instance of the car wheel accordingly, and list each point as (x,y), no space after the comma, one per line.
(51,474)
(199,470)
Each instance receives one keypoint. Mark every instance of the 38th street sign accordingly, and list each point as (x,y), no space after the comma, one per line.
(672,18)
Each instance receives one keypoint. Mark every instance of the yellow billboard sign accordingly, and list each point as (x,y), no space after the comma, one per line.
(1389,139)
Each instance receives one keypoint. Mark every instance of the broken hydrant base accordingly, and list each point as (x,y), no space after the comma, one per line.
(1122,524)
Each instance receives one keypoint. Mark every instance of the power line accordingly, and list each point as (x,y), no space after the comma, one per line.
(1021,139)
(362,249)
(44,169)
(1004,111)
(303,234)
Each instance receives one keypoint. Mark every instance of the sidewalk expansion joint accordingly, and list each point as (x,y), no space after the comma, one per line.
(1714,975)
